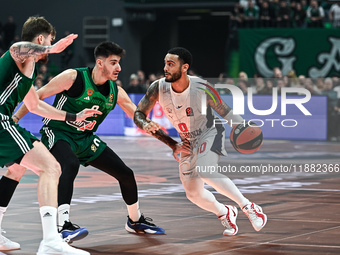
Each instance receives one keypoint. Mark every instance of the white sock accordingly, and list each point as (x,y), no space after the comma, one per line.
(226,187)
(207,201)
(48,216)
(223,210)
(63,214)
(2,212)
(134,212)
(221,183)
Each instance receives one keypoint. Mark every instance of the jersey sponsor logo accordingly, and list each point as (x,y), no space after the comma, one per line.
(82,125)
(87,98)
(189,111)
(192,134)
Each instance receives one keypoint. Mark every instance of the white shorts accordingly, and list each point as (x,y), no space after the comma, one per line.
(206,152)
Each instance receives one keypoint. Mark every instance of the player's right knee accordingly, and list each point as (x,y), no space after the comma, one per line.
(53,169)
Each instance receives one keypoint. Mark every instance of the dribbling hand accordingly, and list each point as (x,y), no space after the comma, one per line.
(184,147)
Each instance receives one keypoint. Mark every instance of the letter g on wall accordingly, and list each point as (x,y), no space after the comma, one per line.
(283,47)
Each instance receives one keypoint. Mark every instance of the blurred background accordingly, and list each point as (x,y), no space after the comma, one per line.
(255,44)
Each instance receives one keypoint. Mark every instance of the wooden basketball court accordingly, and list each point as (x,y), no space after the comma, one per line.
(300,197)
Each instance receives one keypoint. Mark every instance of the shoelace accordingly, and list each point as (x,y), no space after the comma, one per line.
(251,214)
(69,226)
(226,223)
(147,220)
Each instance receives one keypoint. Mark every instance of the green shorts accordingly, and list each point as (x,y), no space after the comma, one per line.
(86,146)
(15,142)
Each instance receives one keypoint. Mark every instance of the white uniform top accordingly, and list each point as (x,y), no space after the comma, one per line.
(184,110)
(335,8)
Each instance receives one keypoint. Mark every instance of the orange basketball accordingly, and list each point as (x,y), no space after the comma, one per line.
(246,138)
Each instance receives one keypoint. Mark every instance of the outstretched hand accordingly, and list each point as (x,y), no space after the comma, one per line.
(63,43)
(87,113)
(183,146)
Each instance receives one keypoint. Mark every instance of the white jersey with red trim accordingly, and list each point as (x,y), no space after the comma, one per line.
(184,110)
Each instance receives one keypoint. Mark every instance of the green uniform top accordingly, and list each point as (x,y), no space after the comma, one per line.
(13,85)
(90,98)
(315,12)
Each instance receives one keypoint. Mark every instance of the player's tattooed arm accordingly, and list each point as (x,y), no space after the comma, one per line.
(149,100)
(163,137)
(143,109)
(145,105)
(22,50)
(222,109)
(142,122)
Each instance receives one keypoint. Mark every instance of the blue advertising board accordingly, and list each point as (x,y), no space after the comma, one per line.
(294,125)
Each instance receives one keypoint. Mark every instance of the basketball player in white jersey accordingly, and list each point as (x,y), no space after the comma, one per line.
(202,141)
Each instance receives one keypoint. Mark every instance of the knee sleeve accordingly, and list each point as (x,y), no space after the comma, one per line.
(69,169)
(109,162)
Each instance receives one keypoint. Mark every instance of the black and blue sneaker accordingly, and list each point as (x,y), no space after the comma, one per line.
(72,232)
(143,226)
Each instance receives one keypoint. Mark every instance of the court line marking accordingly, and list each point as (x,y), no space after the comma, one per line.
(281,239)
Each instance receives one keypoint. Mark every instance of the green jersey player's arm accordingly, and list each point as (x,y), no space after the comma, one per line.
(59,83)
(39,107)
(21,51)
(124,101)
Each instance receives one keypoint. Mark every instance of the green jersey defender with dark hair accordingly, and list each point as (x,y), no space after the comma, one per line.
(73,142)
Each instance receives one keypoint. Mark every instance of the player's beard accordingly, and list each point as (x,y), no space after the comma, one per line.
(175,76)
(109,75)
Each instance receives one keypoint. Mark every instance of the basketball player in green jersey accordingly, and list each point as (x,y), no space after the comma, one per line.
(73,143)
(18,146)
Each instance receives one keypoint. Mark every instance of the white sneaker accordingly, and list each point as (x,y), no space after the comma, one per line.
(8,245)
(256,216)
(229,221)
(58,247)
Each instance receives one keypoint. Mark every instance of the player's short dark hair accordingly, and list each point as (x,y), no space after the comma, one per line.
(106,49)
(35,26)
(183,55)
